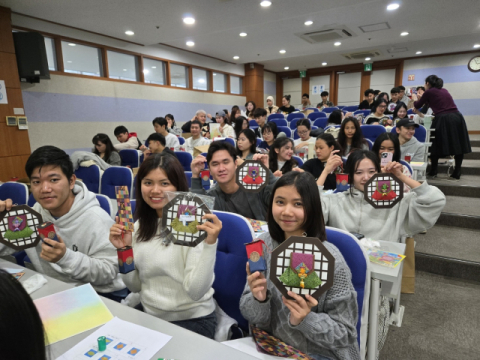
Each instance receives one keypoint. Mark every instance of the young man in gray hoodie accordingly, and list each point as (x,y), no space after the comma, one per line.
(83,253)
(409,145)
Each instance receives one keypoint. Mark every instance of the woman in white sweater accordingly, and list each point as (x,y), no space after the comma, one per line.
(226,130)
(417,211)
(174,282)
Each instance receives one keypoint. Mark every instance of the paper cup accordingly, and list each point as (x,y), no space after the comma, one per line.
(342,182)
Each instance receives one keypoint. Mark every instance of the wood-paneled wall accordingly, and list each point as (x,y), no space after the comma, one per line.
(14,143)
(253,83)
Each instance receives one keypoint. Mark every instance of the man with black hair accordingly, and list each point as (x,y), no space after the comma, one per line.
(325,102)
(196,139)
(409,145)
(222,162)
(394,100)
(128,140)
(402,97)
(156,145)
(83,253)
(366,104)
(306,101)
(260,116)
(376,92)
(160,125)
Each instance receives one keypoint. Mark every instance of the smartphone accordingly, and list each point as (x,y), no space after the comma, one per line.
(47,230)
(386,158)
(357,235)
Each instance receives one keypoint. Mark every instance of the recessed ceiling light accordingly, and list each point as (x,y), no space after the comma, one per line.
(368,59)
(476,46)
(145,71)
(393,6)
(308,23)
(124,69)
(243,34)
(154,67)
(72,44)
(282,51)
(404,33)
(69,62)
(190,43)
(265,3)
(338,43)
(418,52)
(129,32)
(236,57)
(286,68)
(324,63)
(189,20)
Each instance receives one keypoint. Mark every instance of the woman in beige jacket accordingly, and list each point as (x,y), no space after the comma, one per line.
(271,108)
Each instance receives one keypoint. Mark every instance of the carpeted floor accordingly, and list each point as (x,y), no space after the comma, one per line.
(441,321)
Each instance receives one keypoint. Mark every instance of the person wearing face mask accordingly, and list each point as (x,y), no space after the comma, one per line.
(271,108)
(417,211)
(280,156)
(350,137)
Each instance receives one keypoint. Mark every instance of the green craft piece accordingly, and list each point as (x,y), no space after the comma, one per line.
(290,278)
(191,228)
(11,235)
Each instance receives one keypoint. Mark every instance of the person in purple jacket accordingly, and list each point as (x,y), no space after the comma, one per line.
(451,135)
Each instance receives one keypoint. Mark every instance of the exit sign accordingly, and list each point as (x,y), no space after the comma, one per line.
(367,67)
(303,73)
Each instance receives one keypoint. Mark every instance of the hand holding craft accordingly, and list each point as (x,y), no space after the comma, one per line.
(278,173)
(53,251)
(6,205)
(257,284)
(211,228)
(198,164)
(299,308)
(333,162)
(394,168)
(261,157)
(118,236)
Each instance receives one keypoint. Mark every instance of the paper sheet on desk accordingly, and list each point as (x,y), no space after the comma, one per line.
(247,345)
(125,341)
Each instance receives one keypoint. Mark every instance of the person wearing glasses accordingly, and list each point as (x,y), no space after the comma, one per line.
(378,117)
(303,130)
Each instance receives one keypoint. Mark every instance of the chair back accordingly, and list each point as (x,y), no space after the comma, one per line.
(275,116)
(230,141)
(421,133)
(105,204)
(31,200)
(293,123)
(252,123)
(321,122)
(358,262)
(409,167)
(279,122)
(130,157)
(116,176)
(259,141)
(316,115)
(329,110)
(371,132)
(230,273)
(299,160)
(292,116)
(410,111)
(370,144)
(340,107)
(185,159)
(350,108)
(90,176)
(363,112)
(181,140)
(133,203)
(188,175)
(314,109)
(286,130)
(16,191)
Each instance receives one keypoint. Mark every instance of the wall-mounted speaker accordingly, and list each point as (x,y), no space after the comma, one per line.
(31,56)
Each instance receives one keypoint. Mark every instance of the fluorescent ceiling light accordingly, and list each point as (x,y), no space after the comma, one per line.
(286,68)
(393,6)
(236,57)
(72,44)
(324,63)
(190,43)
(308,23)
(124,69)
(242,34)
(338,43)
(418,52)
(282,51)
(367,59)
(129,32)
(404,33)
(265,3)
(476,46)
(189,20)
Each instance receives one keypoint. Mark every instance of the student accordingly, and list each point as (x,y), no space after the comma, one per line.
(127,139)
(160,125)
(377,116)
(235,113)
(335,118)
(271,108)
(388,143)
(200,115)
(305,101)
(226,130)
(324,146)
(323,328)
(105,149)
(400,112)
(241,123)
(417,211)
(196,139)
(350,137)
(376,93)
(366,104)
(303,130)
(402,96)
(246,144)
(249,109)
(409,145)
(451,135)
(180,290)
(286,108)
(260,116)
(280,156)
(222,162)
(83,253)
(20,322)
(269,134)
(395,100)
(325,103)
(383,95)
(157,145)
(172,126)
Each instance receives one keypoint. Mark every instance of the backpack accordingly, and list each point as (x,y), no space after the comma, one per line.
(333,131)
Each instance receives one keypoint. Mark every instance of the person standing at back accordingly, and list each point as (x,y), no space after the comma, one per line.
(160,125)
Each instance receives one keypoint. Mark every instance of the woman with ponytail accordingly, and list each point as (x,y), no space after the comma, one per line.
(451,135)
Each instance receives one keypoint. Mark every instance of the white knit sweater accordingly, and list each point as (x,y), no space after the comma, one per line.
(175,282)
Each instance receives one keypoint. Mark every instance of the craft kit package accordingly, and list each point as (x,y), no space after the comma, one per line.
(19,227)
(182,214)
(125,215)
(256,260)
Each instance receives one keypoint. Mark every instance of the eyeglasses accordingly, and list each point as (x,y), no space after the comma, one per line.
(382,106)
(303,132)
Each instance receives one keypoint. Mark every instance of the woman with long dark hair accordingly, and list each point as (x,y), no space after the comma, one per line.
(451,134)
(174,282)
(350,137)
(323,328)
(172,126)
(105,149)
(241,123)
(280,156)
(249,109)
(400,112)
(246,144)
(234,114)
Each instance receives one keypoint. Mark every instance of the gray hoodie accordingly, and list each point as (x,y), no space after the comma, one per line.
(90,257)
(414,148)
